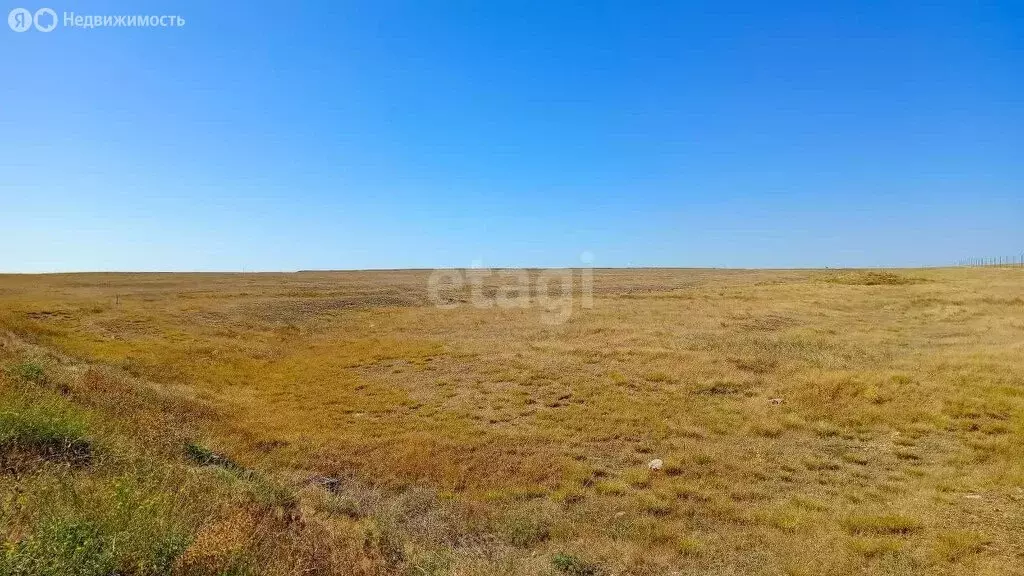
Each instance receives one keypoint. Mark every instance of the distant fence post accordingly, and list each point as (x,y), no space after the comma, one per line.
(1015,261)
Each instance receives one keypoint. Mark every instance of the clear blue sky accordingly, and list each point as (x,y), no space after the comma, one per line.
(387,134)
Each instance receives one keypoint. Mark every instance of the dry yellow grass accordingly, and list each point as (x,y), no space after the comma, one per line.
(811,422)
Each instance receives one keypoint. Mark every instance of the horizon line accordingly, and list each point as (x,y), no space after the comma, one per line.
(420,269)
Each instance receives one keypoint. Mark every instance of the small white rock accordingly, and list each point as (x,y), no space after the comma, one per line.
(655,464)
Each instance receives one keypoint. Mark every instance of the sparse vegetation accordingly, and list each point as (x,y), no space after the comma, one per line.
(333,424)
(882,524)
(874,278)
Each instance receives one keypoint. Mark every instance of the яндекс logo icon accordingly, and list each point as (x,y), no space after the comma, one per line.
(19,19)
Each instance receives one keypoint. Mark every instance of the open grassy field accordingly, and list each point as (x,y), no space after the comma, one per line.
(810,422)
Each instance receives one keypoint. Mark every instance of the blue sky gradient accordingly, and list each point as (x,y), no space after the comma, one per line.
(424,134)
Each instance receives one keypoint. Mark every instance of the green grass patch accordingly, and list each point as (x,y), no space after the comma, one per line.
(117,525)
(43,431)
(574,565)
(30,372)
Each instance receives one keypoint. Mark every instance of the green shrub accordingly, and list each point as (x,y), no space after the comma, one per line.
(574,566)
(31,372)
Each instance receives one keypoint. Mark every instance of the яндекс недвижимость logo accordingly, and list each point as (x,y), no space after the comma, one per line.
(44,19)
